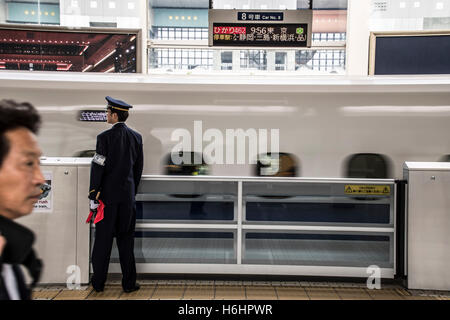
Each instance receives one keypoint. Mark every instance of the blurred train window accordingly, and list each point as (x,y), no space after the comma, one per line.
(179,31)
(73,13)
(367,165)
(192,168)
(277,165)
(37,50)
(85,154)
(445,158)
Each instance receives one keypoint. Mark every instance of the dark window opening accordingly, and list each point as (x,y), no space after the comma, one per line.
(194,166)
(277,165)
(85,154)
(367,165)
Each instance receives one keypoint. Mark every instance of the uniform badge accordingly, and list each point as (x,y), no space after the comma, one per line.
(99,159)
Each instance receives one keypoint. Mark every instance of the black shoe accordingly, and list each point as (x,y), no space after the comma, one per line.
(135,288)
(98,289)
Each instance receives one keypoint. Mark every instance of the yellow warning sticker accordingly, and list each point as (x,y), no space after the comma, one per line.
(367,189)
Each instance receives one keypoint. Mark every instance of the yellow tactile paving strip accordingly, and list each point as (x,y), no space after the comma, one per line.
(322,293)
(353,294)
(230,293)
(144,293)
(200,292)
(423,298)
(45,294)
(291,293)
(239,290)
(169,292)
(73,294)
(261,293)
(109,293)
(387,294)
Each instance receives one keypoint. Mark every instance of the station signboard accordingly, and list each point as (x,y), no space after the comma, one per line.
(92,115)
(260,28)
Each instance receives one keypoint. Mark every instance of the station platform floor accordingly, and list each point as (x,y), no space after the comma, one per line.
(239,290)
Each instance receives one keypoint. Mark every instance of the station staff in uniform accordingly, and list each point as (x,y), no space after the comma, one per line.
(115,175)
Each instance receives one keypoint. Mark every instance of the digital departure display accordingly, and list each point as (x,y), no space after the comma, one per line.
(92,116)
(263,35)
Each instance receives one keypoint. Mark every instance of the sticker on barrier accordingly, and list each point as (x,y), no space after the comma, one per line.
(368,189)
(45,203)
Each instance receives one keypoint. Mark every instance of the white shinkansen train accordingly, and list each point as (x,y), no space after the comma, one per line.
(328,127)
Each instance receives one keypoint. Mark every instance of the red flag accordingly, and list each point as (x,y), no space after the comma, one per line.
(100,213)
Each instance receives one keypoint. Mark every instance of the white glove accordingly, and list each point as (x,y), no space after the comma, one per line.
(93,204)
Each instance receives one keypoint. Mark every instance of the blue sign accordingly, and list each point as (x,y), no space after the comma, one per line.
(260,16)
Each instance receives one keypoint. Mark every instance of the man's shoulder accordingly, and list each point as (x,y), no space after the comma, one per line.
(105,133)
(134,132)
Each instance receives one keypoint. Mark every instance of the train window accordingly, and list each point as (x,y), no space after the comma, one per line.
(186,169)
(445,158)
(85,154)
(367,165)
(277,165)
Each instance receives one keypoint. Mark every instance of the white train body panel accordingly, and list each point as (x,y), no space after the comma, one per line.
(321,121)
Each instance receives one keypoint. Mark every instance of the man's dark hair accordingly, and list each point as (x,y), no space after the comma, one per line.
(15,115)
(121,115)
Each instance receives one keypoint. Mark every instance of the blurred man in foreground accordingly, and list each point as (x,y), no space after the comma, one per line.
(20,188)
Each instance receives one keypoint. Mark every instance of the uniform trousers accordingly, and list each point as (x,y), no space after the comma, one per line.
(119,221)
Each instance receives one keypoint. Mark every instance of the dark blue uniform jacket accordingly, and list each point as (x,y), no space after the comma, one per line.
(117,165)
